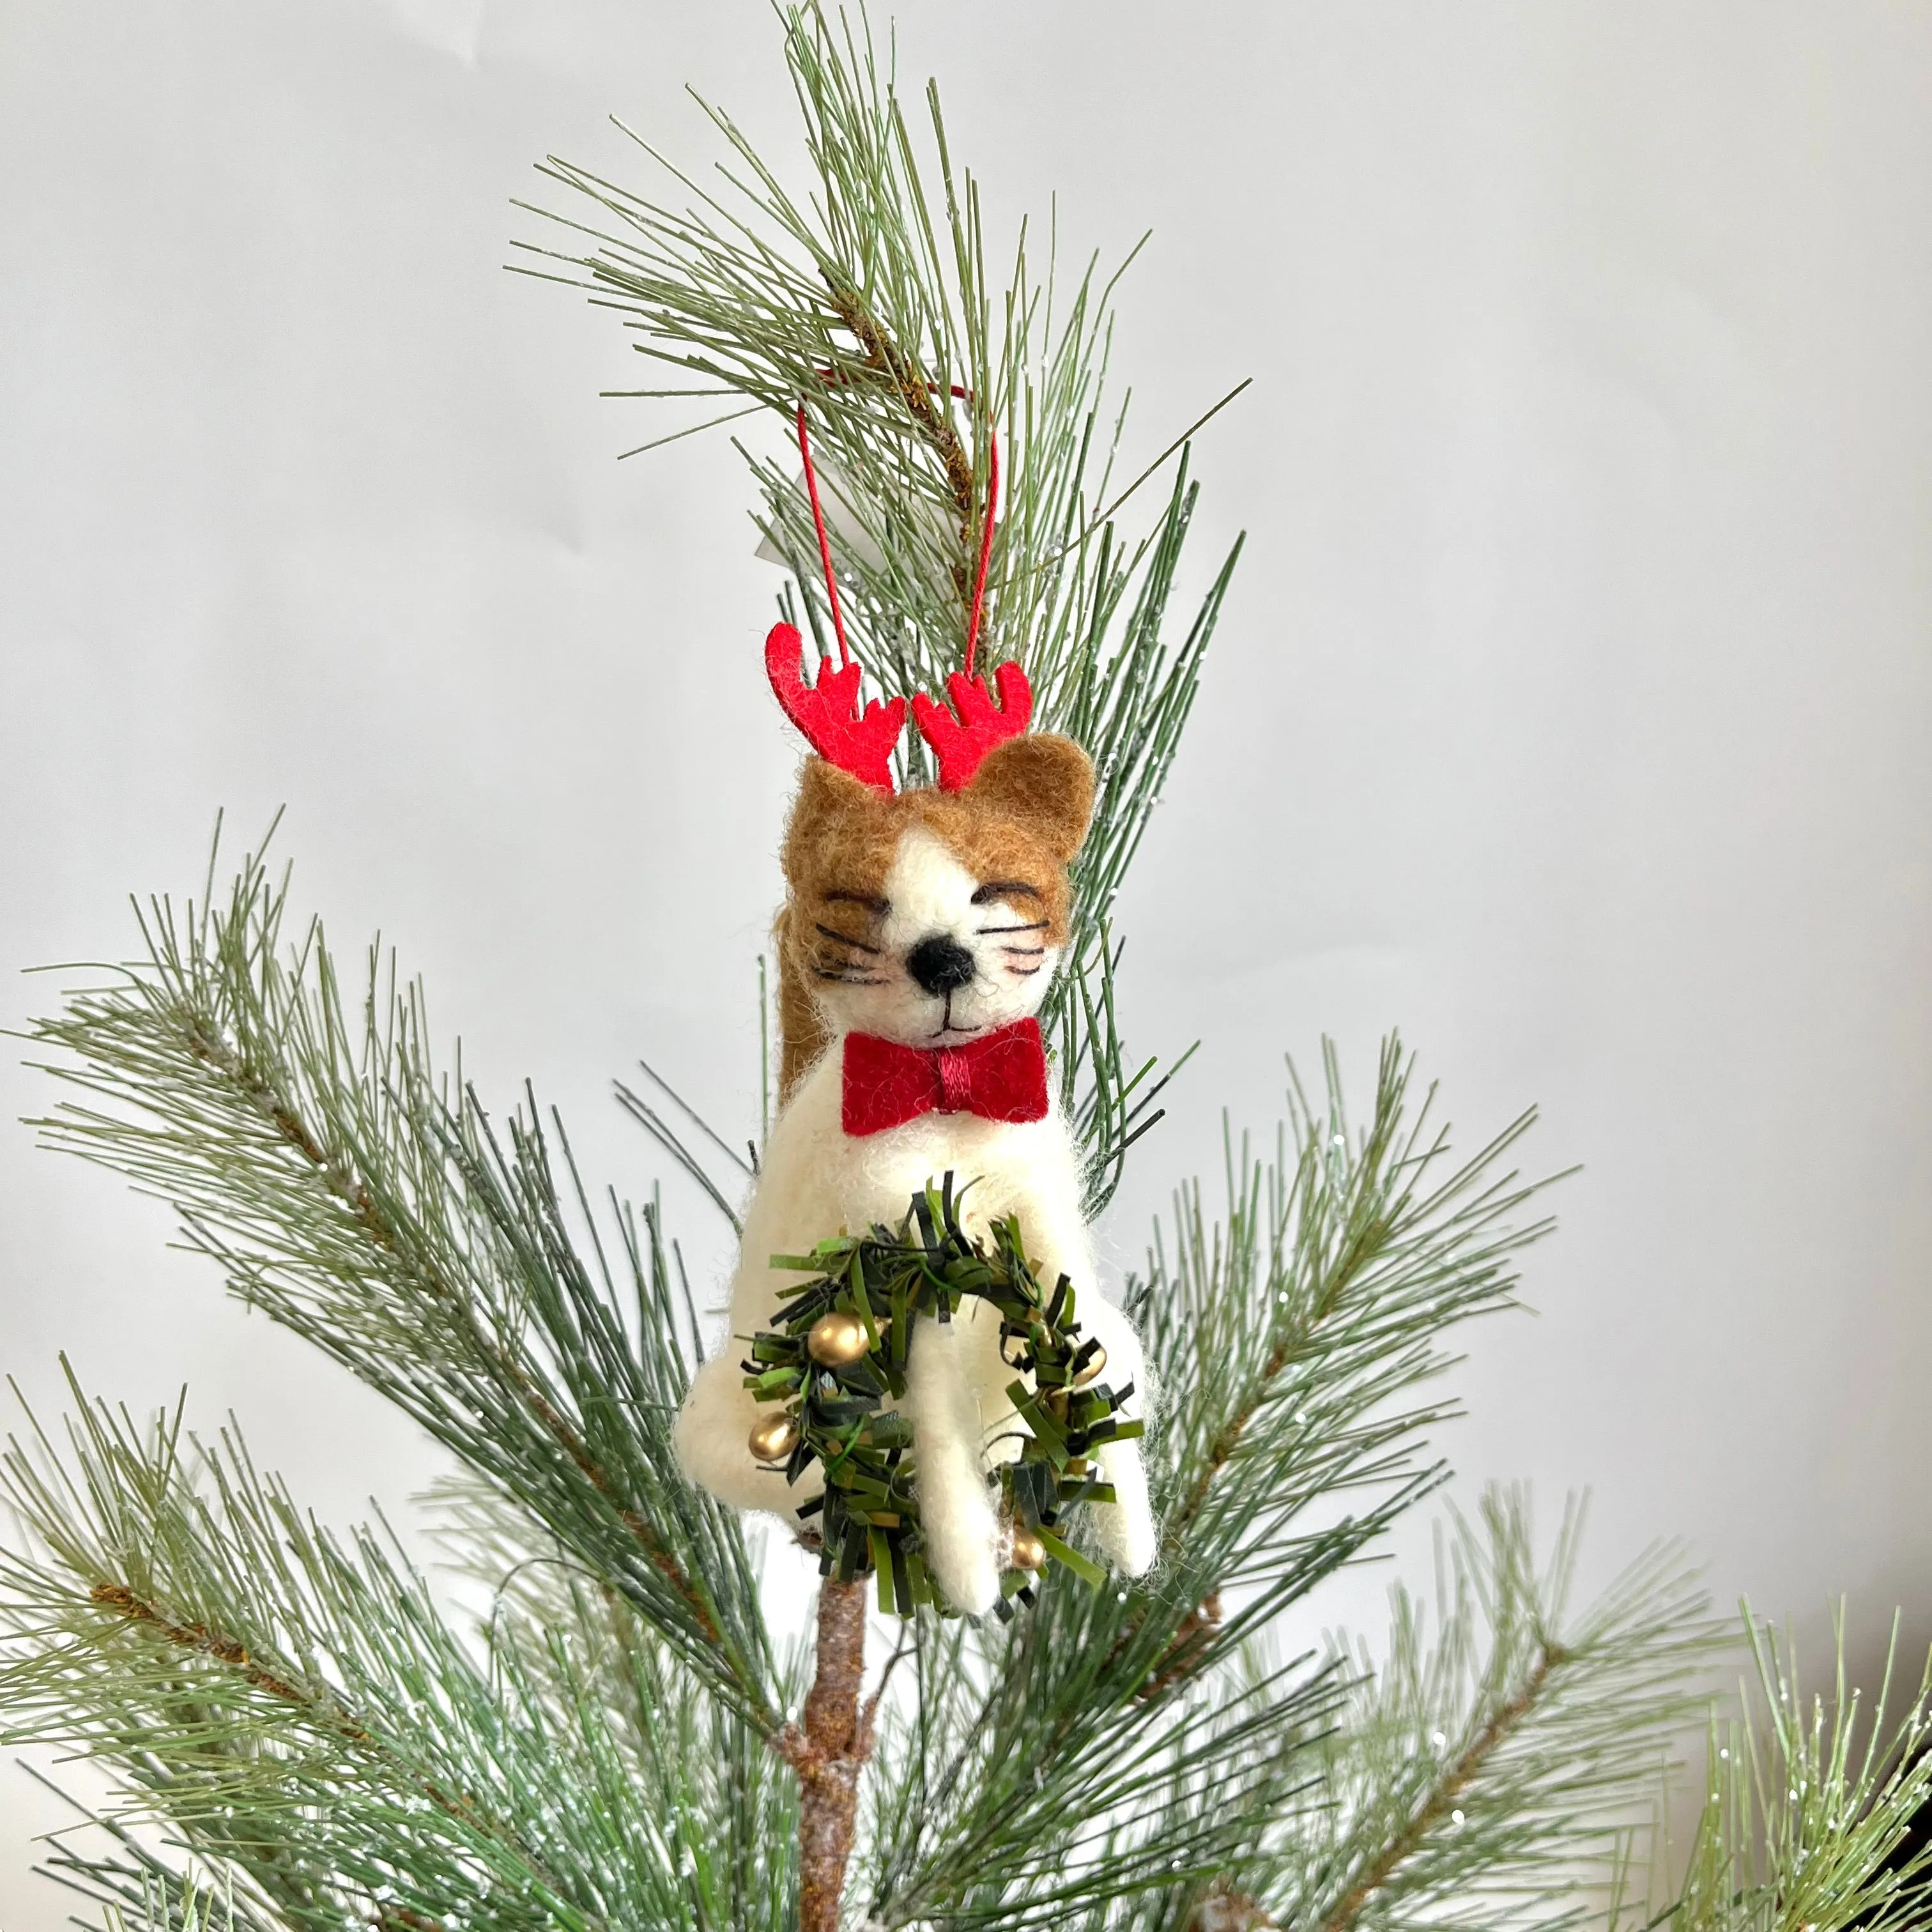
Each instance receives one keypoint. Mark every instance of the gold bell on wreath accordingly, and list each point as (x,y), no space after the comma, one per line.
(838,1339)
(1028,1552)
(773,1437)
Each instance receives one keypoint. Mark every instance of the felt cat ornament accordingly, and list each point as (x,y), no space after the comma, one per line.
(919,935)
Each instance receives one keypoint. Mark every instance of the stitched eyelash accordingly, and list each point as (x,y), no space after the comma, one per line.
(845,939)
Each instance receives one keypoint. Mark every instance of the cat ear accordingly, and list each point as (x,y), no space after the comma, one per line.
(831,805)
(1045,781)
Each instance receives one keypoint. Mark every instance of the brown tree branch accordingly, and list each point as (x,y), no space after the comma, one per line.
(1195,1630)
(1224,1909)
(1360,1252)
(827,1751)
(1183,1652)
(1503,1722)
(224,1650)
(327,1706)
(885,356)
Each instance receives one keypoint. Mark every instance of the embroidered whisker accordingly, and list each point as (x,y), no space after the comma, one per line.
(1033,925)
(1023,951)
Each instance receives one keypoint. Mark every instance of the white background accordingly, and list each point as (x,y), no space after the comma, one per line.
(1570,709)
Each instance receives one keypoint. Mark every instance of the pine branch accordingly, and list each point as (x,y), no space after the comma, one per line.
(1287,1341)
(915,392)
(717,1790)
(1813,1815)
(869,299)
(1151,1802)
(134,1890)
(330,1171)
(1438,1806)
(1486,1776)
(297,1708)
(1288,1345)
(280,1108)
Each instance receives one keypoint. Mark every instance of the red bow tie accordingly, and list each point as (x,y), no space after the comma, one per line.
(1001,1076)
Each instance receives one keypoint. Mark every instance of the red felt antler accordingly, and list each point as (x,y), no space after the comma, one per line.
(859,743)
(959,743)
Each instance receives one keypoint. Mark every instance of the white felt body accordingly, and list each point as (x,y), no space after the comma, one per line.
(819,1180)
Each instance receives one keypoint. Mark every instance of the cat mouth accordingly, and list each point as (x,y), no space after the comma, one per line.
(946,1026)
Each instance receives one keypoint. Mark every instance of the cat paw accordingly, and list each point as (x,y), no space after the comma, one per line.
(712,1439)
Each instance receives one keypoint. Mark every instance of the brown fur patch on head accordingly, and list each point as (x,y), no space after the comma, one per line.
(1043,781)
(842,834)
(840,839)
(1017,825)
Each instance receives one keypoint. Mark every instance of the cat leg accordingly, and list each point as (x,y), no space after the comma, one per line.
(1125,1526)
(956,1507)
(785,1215)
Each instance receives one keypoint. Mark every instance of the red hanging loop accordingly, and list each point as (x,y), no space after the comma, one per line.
(985,545)
(860,740)
(825,545)
(978,609)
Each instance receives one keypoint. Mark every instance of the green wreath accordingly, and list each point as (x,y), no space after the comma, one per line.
(839,1355)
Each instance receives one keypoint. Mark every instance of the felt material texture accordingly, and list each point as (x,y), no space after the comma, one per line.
(1000,1076)
(872,876)
(961,737)
(1042,780)
(1018,824)
(942,1401)
(828,714)
(815,1178)
(803,1034)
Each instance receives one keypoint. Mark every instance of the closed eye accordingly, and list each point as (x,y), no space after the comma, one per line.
(1006,889)
(843,938)
(870,900)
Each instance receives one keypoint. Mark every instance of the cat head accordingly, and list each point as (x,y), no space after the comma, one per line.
(929,917)
(934,917)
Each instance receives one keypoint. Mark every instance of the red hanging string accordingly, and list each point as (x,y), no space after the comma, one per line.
(824,543)
(985,540)
(985,545)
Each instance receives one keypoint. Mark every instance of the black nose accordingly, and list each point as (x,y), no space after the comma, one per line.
(940,965)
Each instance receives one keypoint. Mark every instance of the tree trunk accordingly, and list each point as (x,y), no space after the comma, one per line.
(827,1752)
